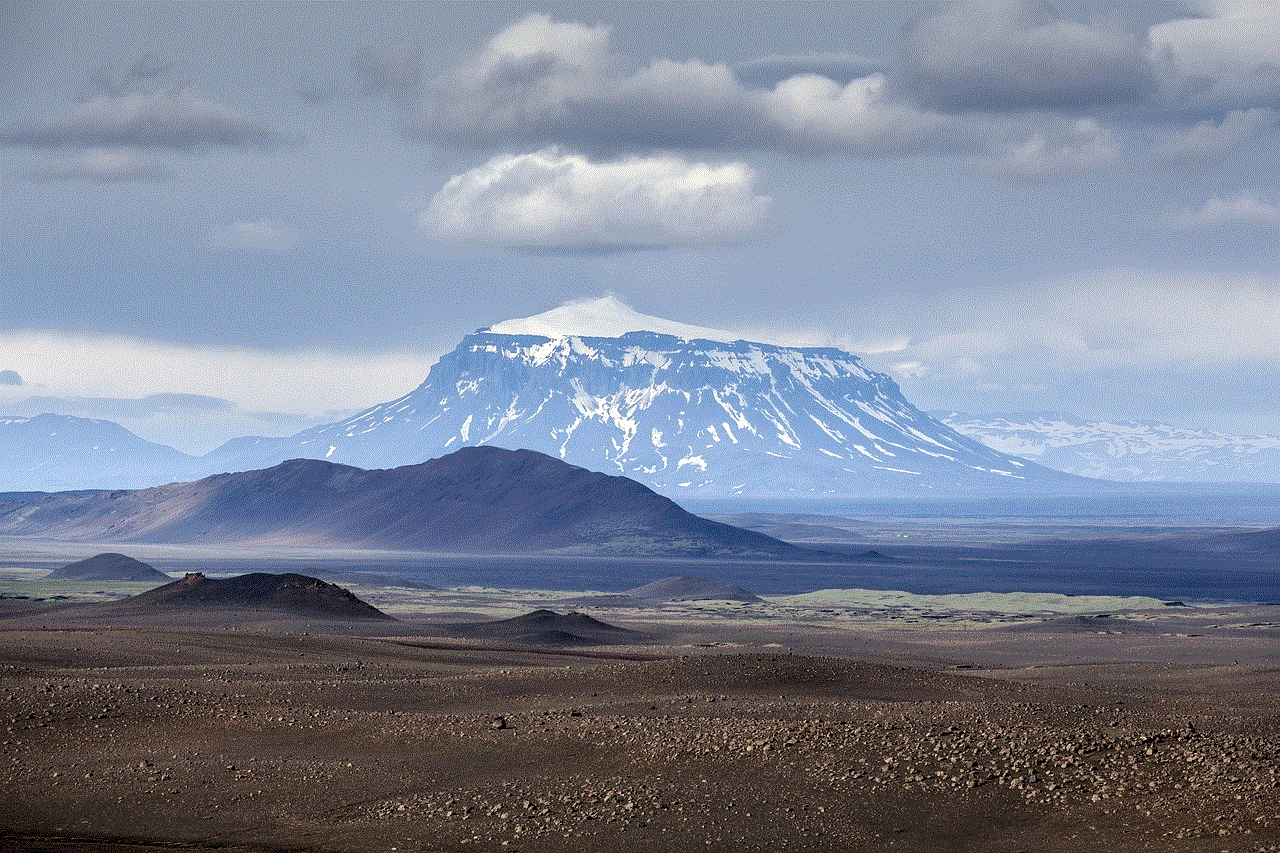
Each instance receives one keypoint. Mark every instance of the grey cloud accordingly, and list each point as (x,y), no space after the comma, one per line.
(175,118)
(542,82)
(768,71)
(99,165)
(1209,139)
(127,408)
(1019,56)
(148,67)
(396,72)
(10,377)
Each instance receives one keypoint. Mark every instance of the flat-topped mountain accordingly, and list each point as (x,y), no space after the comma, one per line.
(108,567)
(683,409)
(258,590)
(475,500)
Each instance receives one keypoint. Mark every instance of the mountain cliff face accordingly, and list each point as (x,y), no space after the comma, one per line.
(681,409)
(1134,451)
(474,500)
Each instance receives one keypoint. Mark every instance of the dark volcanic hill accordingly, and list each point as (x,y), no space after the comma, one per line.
(548,628)
(477,499)
(691,589)
(108,567)
(259,590)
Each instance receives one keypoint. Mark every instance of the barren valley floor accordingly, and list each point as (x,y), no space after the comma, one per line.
(1052,736)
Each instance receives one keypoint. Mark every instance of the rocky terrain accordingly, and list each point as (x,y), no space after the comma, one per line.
(147,738)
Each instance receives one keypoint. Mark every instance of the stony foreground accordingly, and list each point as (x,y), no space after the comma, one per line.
(139,739)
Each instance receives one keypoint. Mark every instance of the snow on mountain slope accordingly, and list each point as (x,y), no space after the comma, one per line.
(1138,451)
(675,408)
(52,452)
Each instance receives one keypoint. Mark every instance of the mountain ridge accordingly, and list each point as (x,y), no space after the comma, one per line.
(476,499)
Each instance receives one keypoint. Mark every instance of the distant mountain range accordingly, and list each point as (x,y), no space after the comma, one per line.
(49,453)
(683,409)
(475,500)
(1129,451)
(686,410)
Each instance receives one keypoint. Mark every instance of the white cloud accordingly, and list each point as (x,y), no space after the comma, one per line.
(258,235)
(1243,209)
(1082,145)
(551,199)
(1120,324)
(305,383)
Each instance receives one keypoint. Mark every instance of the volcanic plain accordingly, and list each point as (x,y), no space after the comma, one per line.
(686,725)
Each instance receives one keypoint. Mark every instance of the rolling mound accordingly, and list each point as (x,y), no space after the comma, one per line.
(476,500)
(548,628)
(108,567)
(685,588)
(258,591)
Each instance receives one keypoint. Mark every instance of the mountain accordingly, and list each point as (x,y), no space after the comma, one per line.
(684,588)
(57,452)
(548,628)
(1136,451)
(476,500)
(108,567)
(258,590)
(685,410)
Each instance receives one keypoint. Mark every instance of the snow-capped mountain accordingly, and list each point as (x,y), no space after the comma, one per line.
(1138,451)
(680,408)
(53,452)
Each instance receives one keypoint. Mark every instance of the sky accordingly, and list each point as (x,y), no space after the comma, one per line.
(222,219)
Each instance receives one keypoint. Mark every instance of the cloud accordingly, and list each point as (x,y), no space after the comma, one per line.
(1227,61)
(1245,209)
(126,408)
(1082,145)
(996,56)
(11,378)
(259,235)
(175,118)
(148,67)
(107,165)
(551,199)
(768,71)
(1209,139)
(81,365)
(541,82)
(396,72)
(1116,342)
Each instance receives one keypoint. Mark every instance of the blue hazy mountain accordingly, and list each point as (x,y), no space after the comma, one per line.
(57,452)
(683,409)
(1125,450)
